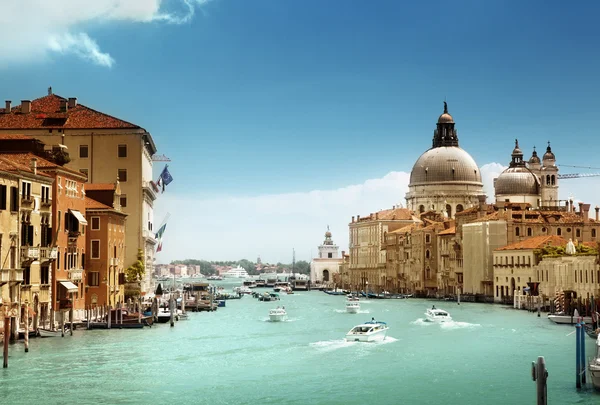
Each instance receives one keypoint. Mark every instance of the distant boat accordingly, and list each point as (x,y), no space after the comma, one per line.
(238,272)
(352,307)
(277,315)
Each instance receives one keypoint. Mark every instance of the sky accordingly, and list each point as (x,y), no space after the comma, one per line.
(283,117)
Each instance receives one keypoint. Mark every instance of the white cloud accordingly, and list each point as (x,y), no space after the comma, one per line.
(40,27)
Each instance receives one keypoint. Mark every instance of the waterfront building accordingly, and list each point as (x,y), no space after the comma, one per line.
(106,241)
(103,148)
(323,267)
(367,267)
(542,261)
(445,178)
(25,238)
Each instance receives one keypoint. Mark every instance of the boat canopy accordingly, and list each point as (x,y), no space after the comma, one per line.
(375,323)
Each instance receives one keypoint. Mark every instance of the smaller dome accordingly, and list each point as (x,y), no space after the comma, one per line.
(328,234)
(549,155)
(517,181)
(445,118)
(534,159)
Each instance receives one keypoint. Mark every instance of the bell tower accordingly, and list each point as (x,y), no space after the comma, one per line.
(549,179)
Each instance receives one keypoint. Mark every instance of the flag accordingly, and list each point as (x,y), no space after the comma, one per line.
(159,247)
(166,178)
(160,232)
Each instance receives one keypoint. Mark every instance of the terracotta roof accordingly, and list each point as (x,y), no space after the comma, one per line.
(24,159)
(93,204)
(14,164)
(100,186)
(537,217)
(405,229)
(536,242)
(449,231)
(397,214)
(45,113)
(12,137)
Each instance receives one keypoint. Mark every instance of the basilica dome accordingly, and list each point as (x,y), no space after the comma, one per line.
(518,179)
(445,164)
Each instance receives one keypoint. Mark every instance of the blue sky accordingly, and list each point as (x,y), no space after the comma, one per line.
(259,99)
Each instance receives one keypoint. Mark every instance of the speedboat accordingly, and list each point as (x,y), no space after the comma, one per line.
(565,319)
(437,315)
(277,314)
(163,315)
(368,332)
(352,307)
(353,297)
(594,366)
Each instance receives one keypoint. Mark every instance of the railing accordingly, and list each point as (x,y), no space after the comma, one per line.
(47,253)
(114,261)
(150,189)
(65,304)
(4,276)
(26,199)
(148,234)
(29,253)
(16,275)
(75,274)
(45,204)
(74,234)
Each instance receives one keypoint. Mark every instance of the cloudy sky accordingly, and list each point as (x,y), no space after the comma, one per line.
(283,117)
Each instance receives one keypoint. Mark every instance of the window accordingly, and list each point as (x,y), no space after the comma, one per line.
(83,151)
(26,190)
(84,171)
(2,197)
(529,232)
(123,201)
(45,194)
(95,223)
(14,199)
(121,278)
(122,175)
(578,233)
(427,254)
(94,278)
(427,238)
(329,255)
(517,231)
(122,151)
(593,233)
(45,275)
(95,249)
(559,231)
(27,275)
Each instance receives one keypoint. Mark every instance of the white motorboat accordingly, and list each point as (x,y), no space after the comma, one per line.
(352,307)
(565,319)
(163,315)
(278,314)
(368,332)
(353,297)
(182,316)
(594,366)
(437,315)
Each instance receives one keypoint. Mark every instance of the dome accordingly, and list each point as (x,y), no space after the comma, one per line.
(549,155)
(534,159)
(517,181)
(328,234)
(445,164)
(445,118)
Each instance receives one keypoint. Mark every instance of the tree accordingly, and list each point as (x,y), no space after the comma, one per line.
(136,271)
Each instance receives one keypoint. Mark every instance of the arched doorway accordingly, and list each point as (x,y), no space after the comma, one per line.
(512,287)
(449,210)
(325,275)
(459,208)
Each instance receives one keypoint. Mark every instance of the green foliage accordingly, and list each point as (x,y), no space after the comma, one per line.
(136,271)
(207,268)
(558,251)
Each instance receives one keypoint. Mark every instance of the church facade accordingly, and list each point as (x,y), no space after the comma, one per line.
(327,265)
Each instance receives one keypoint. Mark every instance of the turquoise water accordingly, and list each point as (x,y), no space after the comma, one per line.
(236,356)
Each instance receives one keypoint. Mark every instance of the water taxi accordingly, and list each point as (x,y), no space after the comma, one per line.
(352,307)
(437,315)
(368,332)
(278,314)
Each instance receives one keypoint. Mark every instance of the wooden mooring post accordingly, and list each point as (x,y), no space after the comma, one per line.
(26,336)
(539,373)
(578,340)
(582,353)
(172,309)
(6,338)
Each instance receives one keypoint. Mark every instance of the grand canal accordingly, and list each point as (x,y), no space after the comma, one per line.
(236,356)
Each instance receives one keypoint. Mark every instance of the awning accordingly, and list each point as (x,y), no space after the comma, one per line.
(79,217)
(72,288)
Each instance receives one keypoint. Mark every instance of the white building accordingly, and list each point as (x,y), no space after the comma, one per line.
(323,267)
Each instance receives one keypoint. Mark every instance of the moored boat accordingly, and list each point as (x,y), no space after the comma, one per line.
(368,332)
(594,366)
(50,333)
(564,319)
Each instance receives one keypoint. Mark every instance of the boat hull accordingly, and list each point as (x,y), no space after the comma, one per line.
(377,336)
(595,375)
(49,333)
(353,309)
(277,318)
(436,319)
(569,320)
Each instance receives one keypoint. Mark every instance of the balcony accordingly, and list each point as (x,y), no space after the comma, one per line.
(45,205)
(75,274)
(150,188)
(29,254)
(27,201)
(47,254)
(114,261)
(15,275)
(149,236)
(4,276)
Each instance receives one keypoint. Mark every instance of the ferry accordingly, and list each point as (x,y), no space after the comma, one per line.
(260,282)
(238,272)
(437,315)
(368,332)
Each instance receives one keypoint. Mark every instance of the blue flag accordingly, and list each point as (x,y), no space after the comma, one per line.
(166,176)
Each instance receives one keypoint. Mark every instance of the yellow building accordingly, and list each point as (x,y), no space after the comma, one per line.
(25,237)
(104,148)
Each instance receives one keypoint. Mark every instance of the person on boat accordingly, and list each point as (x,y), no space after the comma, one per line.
(283,308)
(433,307)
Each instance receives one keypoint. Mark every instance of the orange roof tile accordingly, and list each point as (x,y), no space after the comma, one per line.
(45,113)
(536,242)
(100,186)
(93,204)
(397,214)
(405,229)
(9,164)
(11,137)
(449,231)
(24,159)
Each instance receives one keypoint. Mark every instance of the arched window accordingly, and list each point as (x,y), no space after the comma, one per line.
(517,231)
(449,210)
(421,208)
(559,231)
(547,180)
(553,180)
(593,233)
(427,254)
(459,208)
(529,232)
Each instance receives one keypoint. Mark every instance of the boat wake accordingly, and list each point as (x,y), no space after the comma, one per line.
(422,322)
(458,325)
(331,345)
(364,311)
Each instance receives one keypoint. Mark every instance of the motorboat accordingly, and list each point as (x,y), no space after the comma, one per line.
(594,366)
(438,315)
(353,297)
(370,331)
(250,284)
(278,314)
(163,315)
(565,319)
(352,307)
(51,333)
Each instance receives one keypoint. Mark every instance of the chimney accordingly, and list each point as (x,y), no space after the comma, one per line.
(63,105)
(25,106)
(509,217)
(586,212)
(357,218)
(352,218)
(7,106)
(377,215)
(570,205)
(597,213)
(580,209)
(34,165)
(72,102)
